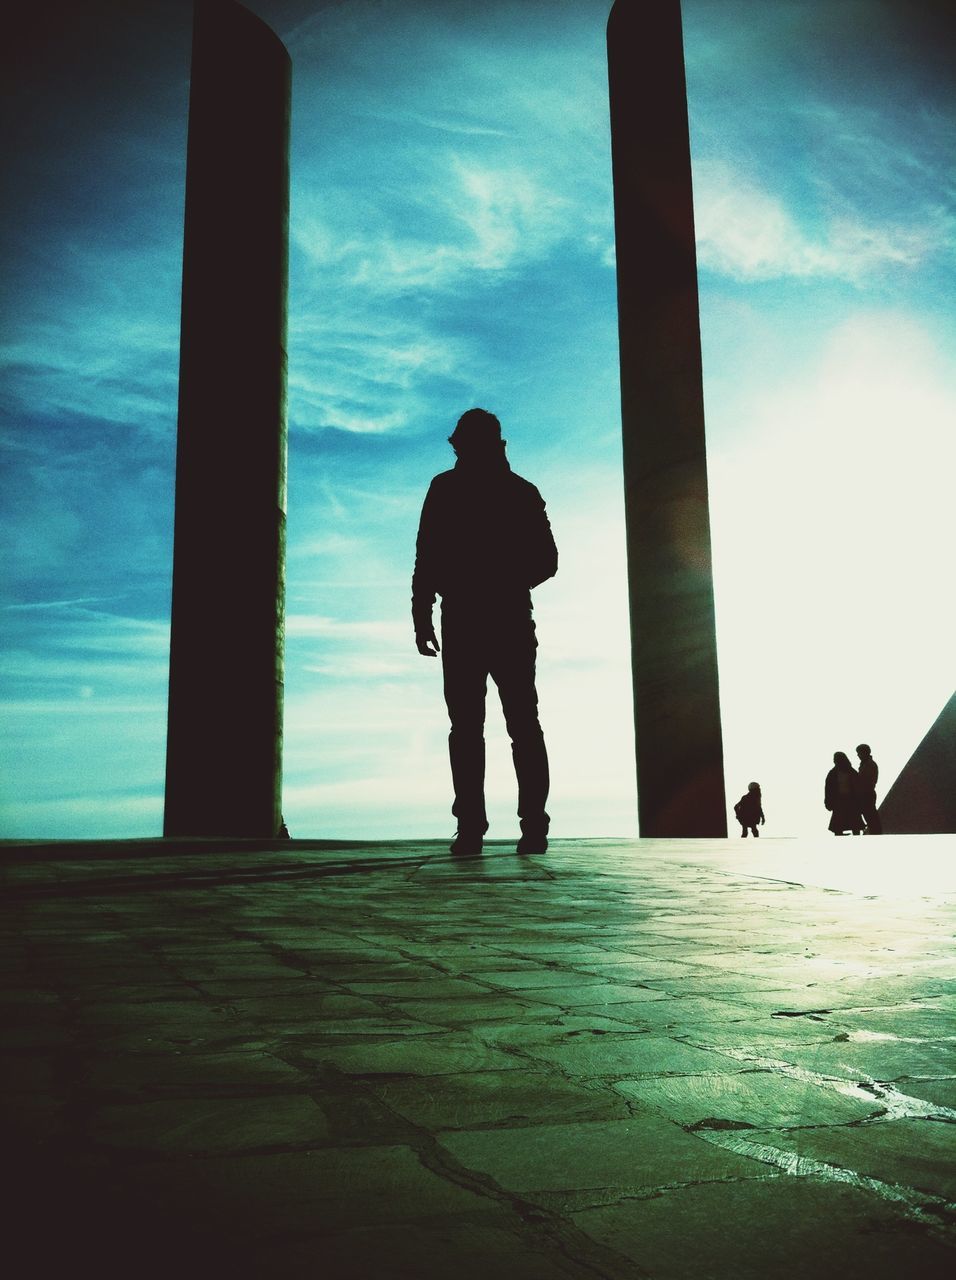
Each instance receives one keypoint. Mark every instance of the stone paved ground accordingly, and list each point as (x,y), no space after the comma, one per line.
(624,1059)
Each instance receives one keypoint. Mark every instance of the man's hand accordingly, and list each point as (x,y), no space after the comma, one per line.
(427,643)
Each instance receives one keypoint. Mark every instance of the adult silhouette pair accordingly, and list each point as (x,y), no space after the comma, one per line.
(484,541)
(850,794)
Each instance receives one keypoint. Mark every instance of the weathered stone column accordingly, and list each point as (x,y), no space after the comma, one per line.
(224,750)
(673,640)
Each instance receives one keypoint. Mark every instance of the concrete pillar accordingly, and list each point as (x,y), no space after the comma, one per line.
(224,750)
(673,640)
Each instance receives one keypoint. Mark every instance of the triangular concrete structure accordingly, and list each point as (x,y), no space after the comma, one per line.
(922,800)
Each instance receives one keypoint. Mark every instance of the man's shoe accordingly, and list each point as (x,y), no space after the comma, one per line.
(529,843)
(466,844)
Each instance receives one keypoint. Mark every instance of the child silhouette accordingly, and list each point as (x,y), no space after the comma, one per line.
(749,810)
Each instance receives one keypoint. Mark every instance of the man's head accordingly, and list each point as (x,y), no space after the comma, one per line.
(477,434)
(863,751)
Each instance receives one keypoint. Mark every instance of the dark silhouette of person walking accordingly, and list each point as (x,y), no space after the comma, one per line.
(749,810)
(841,795)
(868,773)
(484,541)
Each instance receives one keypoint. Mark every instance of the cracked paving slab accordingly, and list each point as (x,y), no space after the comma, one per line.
(757,1229)
(749,1099)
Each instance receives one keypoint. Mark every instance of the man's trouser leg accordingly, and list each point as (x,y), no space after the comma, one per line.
(874,827)
(465,681)
(512,669)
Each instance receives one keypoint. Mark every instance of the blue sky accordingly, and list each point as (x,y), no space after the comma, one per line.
(452,245)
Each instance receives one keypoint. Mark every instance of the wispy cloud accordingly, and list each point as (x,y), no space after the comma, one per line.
(747,232)
(448,123)
(104,344)
(31,605)
(508,213)
(82,651)
(348,631)
(347,650)
(473,217)
(363,378)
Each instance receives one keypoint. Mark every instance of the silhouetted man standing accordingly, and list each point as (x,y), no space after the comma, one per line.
(483,542)
(868,773)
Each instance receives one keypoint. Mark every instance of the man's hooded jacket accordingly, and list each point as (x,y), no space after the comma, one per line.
(484,541)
